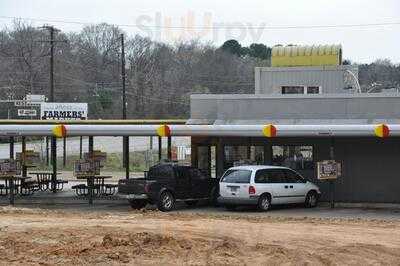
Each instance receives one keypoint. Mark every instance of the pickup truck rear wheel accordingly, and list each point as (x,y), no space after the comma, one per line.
(166,201)
(138,204)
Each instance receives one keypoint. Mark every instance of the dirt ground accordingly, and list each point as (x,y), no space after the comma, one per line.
(52,237)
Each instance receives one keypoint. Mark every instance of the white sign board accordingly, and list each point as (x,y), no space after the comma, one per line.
(35,98)
(23,103)
(26,112)
(63,111)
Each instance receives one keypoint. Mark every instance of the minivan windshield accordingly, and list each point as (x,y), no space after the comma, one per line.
(237,176)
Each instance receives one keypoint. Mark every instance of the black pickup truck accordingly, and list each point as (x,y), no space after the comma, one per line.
(166,184)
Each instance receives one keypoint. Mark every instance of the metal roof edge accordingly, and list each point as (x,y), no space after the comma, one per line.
(293,96)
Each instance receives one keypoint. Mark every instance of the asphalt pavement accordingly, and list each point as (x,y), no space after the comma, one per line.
(67,200)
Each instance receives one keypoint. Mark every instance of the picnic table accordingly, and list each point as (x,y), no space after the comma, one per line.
(95,185)
(16,184)
(44,179)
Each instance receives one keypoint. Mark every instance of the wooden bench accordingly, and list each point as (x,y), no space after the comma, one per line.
(29,187)
(3,191)
(110,189)
(83,189)
(60,184)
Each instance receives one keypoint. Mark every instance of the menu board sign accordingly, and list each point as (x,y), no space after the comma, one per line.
(329,169)
(29,157)
(9,167)
(96,155)
(86,167)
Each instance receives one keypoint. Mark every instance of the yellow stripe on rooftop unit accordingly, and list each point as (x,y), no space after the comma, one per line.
(315,55)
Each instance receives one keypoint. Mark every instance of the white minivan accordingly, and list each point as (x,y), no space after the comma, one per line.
(264,185)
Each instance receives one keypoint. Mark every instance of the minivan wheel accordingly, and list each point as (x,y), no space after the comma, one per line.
(137,204)
(311,199)
(166,201)
(264,203)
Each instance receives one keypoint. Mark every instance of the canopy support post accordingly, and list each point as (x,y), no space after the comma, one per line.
(159,149)
(11,184)
(126,150)
(54,164)
(64,151)
(90,180)
(169,152)
(332,182)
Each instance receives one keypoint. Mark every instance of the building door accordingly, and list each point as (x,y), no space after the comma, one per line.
(206,160)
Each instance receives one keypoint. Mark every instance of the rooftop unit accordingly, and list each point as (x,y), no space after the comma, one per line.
(313,55)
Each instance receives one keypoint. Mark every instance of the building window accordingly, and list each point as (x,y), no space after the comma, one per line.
(292,89)
(301,89)
(313,90)
(294,157)
(243,155)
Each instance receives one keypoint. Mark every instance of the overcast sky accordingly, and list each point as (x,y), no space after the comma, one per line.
(211,20)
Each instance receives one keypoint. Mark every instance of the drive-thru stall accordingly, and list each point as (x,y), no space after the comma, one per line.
(365,177)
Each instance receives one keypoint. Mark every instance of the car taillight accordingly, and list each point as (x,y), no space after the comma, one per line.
(252,190)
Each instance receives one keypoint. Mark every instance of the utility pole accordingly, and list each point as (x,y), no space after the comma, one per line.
(52,30)
(52,41)
(123,77)
(125,138)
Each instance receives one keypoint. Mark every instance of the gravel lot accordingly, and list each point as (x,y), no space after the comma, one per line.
(115,236)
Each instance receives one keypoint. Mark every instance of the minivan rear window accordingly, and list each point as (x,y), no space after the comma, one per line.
(237,176)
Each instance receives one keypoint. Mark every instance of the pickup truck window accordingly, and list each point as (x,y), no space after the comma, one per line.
(197,174)
(237,176)
(162,171)
(182,172)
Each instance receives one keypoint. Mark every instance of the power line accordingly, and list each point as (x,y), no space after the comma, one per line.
(91,69)
(74,79)
(20,57)
(157,99)
(357,25)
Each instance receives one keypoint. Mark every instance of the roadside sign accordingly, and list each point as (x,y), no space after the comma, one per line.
(22,103)
(27,112)
(63,111)
(329,170)
(35,98)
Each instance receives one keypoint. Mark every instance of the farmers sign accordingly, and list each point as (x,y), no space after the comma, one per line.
(64,111)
